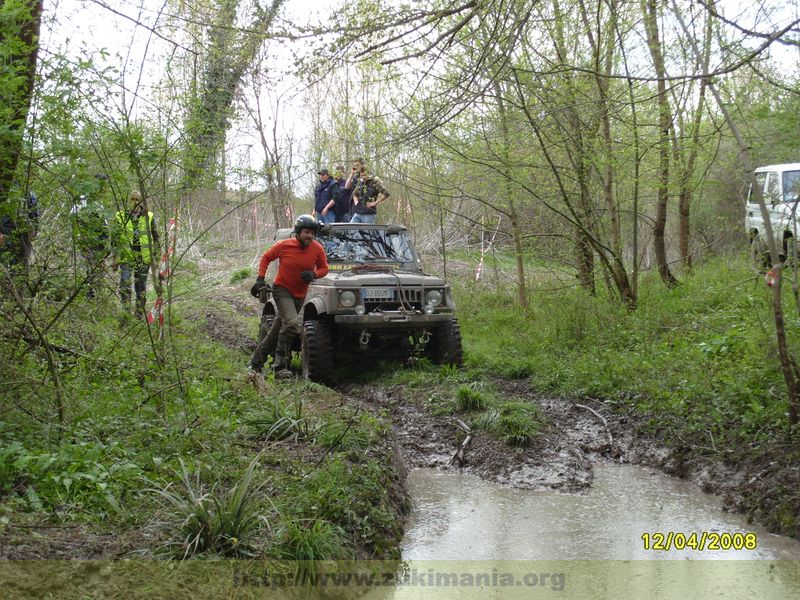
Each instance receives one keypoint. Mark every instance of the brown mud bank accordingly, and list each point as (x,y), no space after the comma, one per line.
(764,485)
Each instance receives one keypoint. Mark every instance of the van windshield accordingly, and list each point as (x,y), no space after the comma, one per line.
(365,245)
(791,186)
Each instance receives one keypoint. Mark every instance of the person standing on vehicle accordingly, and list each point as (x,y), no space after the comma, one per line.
(342,207)
(326,195)
(134,238)
(367,194)
(302,259)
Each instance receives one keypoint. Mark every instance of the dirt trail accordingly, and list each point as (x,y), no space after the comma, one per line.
(579,432)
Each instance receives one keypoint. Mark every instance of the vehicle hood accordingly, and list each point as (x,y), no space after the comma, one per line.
(350,279)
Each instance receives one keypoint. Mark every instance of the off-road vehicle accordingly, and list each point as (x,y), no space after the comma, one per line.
(375,302)
(780,185)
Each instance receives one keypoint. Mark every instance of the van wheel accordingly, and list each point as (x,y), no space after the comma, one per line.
(317,350)
(444,348)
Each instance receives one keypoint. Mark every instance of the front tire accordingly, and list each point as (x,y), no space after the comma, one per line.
(444,347)
(317,350)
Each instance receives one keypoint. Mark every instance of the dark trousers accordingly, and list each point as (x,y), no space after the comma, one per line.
(267,343)
(139,273)
(290,318)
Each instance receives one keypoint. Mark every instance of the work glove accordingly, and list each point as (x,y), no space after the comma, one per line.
(254,291)
(307,276)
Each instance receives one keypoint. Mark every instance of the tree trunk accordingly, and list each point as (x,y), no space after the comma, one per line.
(788,363)
(664,124)
(516,233)
(228,58)
(16,89)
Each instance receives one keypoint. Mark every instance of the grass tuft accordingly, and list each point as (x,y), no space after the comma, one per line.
(469,399)
(277,422)
(210,522)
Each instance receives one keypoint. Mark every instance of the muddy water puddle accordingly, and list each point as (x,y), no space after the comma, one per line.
(458,516)
(464,530)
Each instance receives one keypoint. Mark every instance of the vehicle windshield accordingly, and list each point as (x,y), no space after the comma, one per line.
(365,245)
(791,186)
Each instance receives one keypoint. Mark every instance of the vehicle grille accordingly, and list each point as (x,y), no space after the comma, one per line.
(412,299)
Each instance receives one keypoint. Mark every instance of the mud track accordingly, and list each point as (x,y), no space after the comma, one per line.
(560,459)
(581,432)
(764,484)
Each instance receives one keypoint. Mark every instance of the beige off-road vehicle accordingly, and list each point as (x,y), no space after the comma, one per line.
(375,303)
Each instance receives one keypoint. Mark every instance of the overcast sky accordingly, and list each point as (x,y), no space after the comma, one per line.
(111,25)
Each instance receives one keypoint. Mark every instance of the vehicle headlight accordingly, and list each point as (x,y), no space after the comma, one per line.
(433,297)
(347,299)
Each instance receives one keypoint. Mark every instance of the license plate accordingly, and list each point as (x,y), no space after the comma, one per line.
(377,293)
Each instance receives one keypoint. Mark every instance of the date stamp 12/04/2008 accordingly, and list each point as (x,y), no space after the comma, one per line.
(704,540)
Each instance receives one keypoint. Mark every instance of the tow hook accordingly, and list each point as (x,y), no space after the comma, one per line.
(363,340)
(425,337)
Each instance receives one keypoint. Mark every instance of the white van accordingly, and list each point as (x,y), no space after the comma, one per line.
(781,187)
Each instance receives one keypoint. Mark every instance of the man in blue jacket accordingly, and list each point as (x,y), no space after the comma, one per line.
(325,196)
(342,207)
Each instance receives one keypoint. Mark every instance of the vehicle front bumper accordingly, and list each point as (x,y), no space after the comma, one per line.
(392,320)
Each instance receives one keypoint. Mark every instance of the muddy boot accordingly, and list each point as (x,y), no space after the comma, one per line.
(281,365)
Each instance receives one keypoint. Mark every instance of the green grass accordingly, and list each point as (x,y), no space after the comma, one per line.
(514,422)
(448,391)
(698,360)
(134,426)
(468,399)
(279,422)
(210,522)
(240,275)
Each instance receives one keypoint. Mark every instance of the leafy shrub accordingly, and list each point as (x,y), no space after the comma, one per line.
(80,477)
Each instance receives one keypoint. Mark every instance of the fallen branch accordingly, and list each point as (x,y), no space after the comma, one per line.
(257,379)
(460,457)
(602,418)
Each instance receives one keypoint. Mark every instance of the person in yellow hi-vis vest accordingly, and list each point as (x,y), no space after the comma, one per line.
(134,239)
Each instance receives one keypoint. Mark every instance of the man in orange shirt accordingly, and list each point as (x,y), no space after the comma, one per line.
(302,260)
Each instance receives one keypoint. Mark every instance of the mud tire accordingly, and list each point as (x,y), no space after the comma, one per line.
(444,347)
(317,351)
